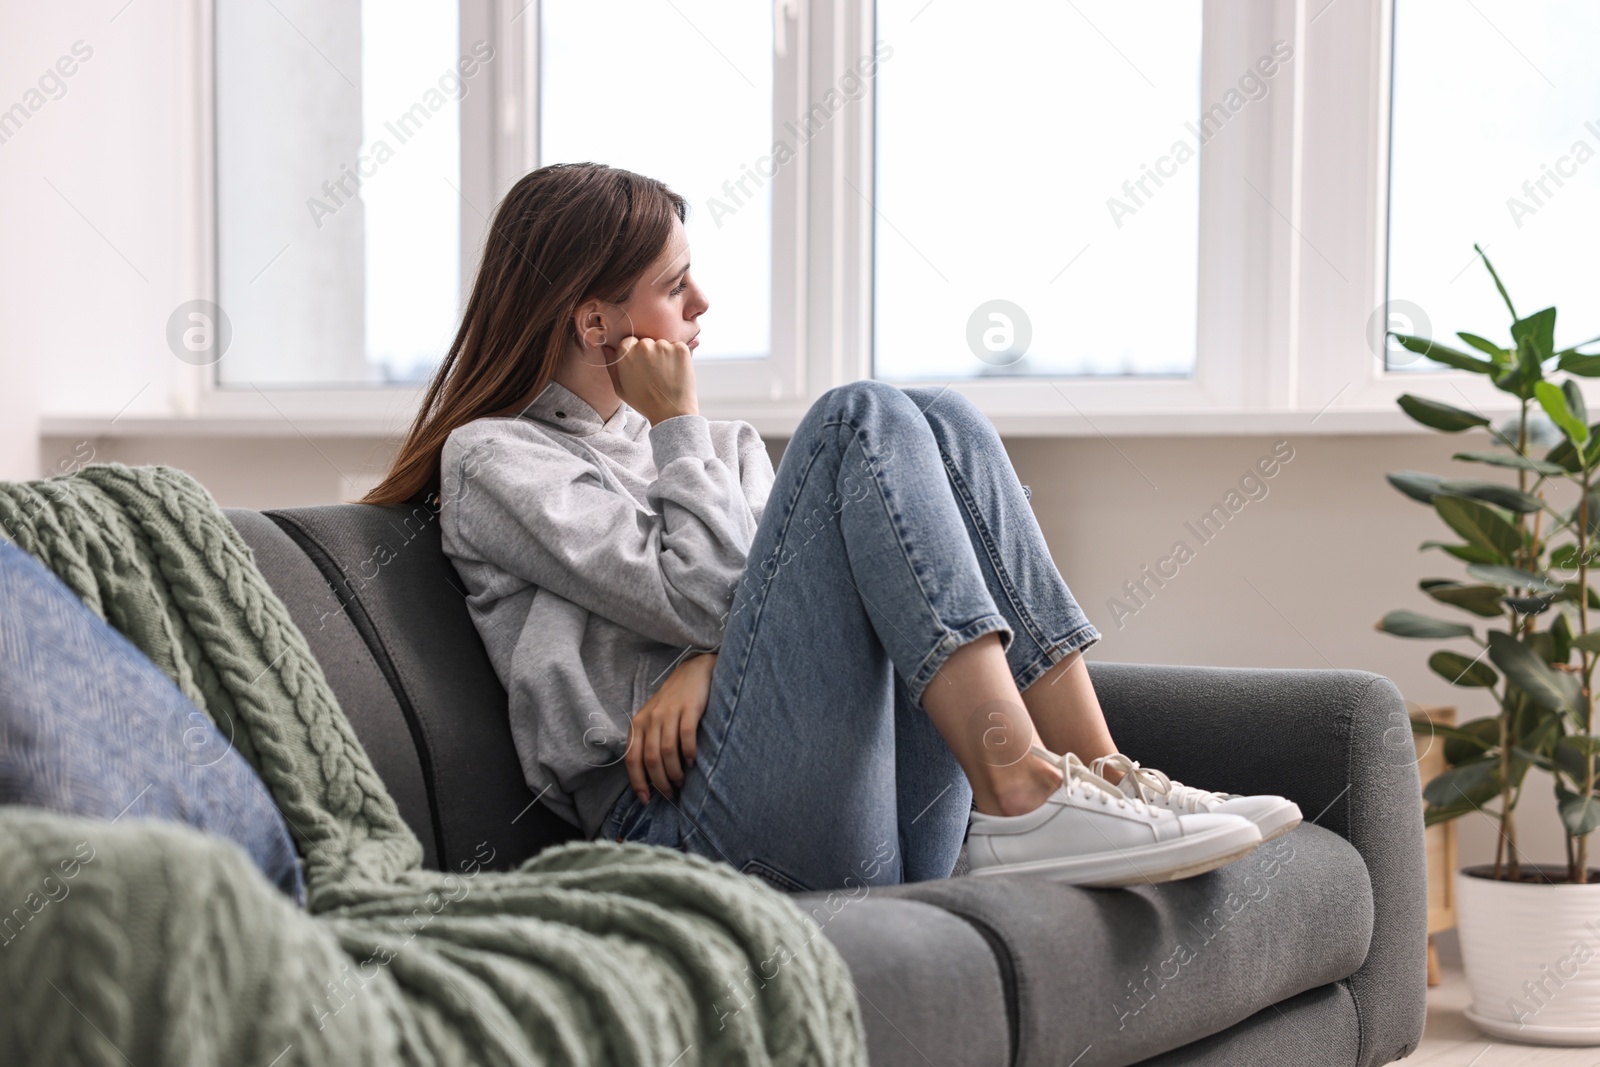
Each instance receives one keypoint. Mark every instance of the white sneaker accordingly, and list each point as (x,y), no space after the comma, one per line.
(1274,816)
(1089,833)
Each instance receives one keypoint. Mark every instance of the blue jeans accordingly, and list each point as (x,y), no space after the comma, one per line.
(896,532)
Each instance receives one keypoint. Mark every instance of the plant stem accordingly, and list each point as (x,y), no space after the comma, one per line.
(1578,865)
(1507,842)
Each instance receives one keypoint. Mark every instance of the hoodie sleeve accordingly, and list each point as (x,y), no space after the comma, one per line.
(544,514)
(756,475)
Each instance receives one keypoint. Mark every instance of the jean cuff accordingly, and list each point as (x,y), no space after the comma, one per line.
(1079,639)
(954,639)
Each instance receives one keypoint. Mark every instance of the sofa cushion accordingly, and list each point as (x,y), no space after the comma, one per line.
(911,962)
(1120,975)
(390,576)
(89,726)
(363,692)
(1338,743)
(1320,1025)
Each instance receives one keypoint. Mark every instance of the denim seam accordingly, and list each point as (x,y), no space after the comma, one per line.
(951,639)
(969,503)
(947,646)
(1048,658)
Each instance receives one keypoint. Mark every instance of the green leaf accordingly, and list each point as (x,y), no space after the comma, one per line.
(1520,765)
(1543,645)
(1578,363)
(1538,759)
(1422,726)
(1496,493)
(1433,414)
(1457,669)
(1472,783)
(1439,353)
(1537,331)
(1479,525)
(1557,403)
(1432,816)
(1518,378)
(1583,744)
(1513,460)
(1566,457)
(1481,600)
(1412,624)
(1536,748)
(1469,741)
(1530,605)
(1470,553)
(1529,367)
(1544,684)
(1572,756)
(1513,578)
(1589,642)
(1570,592)
(1560,639)
(1417,485)
(1497,284)
(1495,352)
(1575,402)
(1580,814)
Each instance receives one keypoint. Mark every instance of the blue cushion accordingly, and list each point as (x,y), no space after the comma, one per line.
(89,726)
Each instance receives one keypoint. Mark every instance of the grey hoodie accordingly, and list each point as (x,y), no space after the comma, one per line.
(596,554)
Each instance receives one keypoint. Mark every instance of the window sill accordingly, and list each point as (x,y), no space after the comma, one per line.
(779,421)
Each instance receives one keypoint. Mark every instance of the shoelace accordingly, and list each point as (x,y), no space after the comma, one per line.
(1077,777)
(1148,780)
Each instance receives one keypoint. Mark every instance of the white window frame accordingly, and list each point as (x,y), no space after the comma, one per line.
(1344,186)
(1290,270)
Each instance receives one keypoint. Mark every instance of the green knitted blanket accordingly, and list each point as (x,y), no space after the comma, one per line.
(171,947)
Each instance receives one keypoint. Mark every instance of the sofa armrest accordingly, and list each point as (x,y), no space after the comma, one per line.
(1338,743)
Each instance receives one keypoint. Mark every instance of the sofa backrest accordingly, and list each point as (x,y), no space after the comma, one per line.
(385,614)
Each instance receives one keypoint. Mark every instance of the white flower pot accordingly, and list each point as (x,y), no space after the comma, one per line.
(1532,956)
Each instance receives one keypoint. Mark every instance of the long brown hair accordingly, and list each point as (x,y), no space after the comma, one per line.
(564,234)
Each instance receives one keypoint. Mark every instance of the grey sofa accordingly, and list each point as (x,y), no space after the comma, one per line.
(1311,951)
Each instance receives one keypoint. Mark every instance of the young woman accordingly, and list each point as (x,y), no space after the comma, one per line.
(826,676)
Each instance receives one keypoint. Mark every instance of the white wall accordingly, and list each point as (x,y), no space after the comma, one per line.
(95,226)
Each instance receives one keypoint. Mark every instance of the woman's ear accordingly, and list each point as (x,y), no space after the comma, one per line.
(591,325)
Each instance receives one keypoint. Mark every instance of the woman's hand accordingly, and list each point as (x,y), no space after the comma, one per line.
(661,737)
(655,378)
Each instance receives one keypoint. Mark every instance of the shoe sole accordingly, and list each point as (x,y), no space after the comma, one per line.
(1274,828)
(1167,861)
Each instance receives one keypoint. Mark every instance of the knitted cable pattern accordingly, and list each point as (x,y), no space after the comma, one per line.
(171,947)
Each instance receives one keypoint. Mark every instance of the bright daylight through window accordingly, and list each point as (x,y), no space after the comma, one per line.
(1495,140)
(686,97)
(338,188)
(1037,192)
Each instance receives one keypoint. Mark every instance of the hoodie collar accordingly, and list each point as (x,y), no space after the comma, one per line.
(565,410)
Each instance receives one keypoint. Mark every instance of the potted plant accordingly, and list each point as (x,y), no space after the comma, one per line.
(1528,931)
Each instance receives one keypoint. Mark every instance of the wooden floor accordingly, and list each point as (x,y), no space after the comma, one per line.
(1451,1041)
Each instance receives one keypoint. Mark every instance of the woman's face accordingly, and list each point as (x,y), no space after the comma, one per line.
(665,304)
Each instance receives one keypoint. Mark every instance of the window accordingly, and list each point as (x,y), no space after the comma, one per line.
(339,167)
(685,95)
(1148,217)
(1495,137)
(1037,188)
